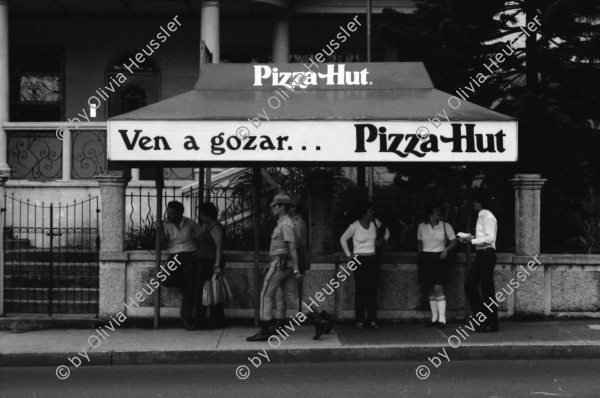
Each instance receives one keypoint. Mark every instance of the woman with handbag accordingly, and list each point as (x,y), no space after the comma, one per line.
(363,233)
(211,261)
(435,239)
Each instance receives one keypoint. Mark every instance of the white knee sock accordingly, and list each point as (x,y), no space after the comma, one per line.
(441,307)
(434,309)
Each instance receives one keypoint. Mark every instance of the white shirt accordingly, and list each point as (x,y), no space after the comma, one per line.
(434,239)
(182,237)
(363,240)
(485,230)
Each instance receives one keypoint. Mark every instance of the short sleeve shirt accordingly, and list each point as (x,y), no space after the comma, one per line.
(434,238)
(182,238)
(283,233)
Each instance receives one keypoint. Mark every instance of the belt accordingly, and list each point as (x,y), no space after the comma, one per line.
(487,249)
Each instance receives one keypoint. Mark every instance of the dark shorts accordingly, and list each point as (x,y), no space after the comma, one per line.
(432,270)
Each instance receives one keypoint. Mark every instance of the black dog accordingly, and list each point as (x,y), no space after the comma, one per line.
(324,322)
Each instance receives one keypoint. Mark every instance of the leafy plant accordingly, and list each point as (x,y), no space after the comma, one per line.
(590,235)
(143,238)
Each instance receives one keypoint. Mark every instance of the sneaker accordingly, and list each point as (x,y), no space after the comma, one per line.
(360,325)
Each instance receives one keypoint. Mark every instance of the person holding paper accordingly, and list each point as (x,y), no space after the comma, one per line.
(482,272)
(435,238)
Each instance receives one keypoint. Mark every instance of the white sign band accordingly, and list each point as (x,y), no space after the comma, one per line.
(313,141)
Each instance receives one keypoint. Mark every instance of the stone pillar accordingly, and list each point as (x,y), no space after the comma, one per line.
(113,260)
(321,236)
(209,28)
(529,298)
(281,41)
(112,211)
(527,213)
(4,93)
(135,174)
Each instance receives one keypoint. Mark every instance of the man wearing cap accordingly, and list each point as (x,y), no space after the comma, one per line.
(283,270)
(302,250)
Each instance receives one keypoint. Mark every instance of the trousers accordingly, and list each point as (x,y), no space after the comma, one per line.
(482,273)
(274,278)
(366,277)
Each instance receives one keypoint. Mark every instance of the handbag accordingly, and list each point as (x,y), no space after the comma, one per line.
(215,291)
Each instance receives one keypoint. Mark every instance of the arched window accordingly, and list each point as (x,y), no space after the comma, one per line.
(132,90)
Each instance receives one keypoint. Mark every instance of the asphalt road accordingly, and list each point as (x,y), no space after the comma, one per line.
(480,379)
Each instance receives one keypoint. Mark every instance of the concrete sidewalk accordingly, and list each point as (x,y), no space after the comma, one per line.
(127,346)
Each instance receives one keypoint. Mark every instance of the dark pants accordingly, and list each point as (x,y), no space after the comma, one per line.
(192,286)
(217,312)
(366,277)
(482,273)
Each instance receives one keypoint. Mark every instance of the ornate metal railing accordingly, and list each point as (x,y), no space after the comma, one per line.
(51,256)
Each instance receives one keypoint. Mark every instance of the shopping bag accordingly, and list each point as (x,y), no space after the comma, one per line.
(216,290)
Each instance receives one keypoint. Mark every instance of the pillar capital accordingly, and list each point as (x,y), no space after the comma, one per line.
(528,181)
(112,178)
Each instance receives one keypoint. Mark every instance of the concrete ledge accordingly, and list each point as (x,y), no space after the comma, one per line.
(51,359)
(117,257)
(341,354)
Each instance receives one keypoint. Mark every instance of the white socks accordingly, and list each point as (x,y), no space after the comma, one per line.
(440,308)
(434,308)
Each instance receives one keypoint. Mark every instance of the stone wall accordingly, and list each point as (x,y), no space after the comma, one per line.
(563,285)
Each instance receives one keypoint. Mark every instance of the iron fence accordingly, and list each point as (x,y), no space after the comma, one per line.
(51,256)
(235,213)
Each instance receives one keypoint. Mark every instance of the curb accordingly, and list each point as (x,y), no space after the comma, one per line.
(339,354)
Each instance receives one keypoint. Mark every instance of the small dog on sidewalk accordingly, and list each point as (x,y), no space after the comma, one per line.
(324,322)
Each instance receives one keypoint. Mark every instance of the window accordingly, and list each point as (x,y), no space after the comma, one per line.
(138,90)
(36,84)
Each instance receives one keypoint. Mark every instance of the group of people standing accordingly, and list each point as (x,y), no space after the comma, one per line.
(436,244)
(200,251)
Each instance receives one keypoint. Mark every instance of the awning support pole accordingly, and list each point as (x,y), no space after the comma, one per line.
(159,179)
(370,169)
(256,184)
(468,246)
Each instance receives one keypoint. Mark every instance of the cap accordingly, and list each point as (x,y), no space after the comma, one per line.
(296,200)
(281,199)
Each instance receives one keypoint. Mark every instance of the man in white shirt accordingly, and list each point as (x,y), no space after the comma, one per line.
(482,272)
(180,236)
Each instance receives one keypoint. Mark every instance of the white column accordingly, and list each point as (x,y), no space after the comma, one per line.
(281,41)
(135,174)
(4,117)
(209,28)
(67,155)
(4,95)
